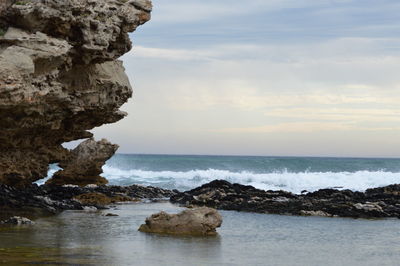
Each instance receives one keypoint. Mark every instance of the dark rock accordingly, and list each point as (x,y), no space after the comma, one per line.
(220,194)
(17,220)
(53,199)
(111,214)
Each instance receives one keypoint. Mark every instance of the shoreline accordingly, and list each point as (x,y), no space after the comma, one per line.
(41,200)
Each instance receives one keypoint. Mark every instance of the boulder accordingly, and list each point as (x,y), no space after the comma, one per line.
(17,220)
(84,165)
(198,222)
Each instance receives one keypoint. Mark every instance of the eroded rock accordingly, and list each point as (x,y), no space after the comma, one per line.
(220,194)
(83,167)
(199,221)
(59,77)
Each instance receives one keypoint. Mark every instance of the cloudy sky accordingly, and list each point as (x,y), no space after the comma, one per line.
(257,77)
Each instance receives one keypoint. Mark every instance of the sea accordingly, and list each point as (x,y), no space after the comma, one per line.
(92,238)
(294,174)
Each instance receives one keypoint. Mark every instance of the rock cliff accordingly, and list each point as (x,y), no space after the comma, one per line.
(60,77)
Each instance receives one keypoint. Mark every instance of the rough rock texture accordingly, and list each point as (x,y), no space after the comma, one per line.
(59,77)
(220,194)
(53,199)
(84,164)
(17,220)
(200,221)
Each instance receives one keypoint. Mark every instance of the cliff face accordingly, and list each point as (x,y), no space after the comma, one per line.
(59,78)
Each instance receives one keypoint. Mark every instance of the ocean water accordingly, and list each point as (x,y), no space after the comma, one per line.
(293,174)
(90,238)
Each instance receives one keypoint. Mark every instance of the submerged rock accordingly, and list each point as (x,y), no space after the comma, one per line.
(17,220)
(220,194)
(59,78)
(200,221)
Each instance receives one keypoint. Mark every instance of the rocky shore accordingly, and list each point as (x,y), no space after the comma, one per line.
(34,200)
(381,202)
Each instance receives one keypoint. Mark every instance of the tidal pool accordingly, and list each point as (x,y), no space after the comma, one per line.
(90,238)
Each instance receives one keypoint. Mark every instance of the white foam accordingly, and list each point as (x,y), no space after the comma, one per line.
(294,182)
(53,168)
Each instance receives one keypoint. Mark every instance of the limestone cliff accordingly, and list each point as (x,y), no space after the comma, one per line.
(60,77)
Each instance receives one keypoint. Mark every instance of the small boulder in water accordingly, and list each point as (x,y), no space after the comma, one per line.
(111,214)
(17,220)
(199,221)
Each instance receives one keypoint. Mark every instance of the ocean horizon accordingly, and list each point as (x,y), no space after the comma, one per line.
(289,173)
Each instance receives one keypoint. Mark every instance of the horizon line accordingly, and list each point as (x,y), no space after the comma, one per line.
(272,156)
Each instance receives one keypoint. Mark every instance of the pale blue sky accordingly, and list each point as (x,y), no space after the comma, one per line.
(254,77)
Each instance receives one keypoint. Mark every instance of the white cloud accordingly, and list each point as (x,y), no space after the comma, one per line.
(340,92)
(181,11)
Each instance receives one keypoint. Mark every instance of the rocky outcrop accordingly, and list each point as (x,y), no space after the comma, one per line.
(59,78)
(84,164)
(374,203)
(200,221)
(53,199)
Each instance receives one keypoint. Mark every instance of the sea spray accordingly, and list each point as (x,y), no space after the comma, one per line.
(293,182)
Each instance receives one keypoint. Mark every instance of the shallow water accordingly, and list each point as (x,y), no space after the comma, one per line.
(89,238)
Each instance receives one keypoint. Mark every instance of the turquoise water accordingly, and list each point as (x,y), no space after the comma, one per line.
(89,238)
(288,173)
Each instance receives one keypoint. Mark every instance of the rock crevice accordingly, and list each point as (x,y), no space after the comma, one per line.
(60,77)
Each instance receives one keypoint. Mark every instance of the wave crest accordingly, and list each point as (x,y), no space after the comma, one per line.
(293,182)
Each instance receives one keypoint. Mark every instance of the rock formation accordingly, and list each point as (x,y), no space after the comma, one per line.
(34,199)
(59,78)
(84,164)
(200,221)
(373,203)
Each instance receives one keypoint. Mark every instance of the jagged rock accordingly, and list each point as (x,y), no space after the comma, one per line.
(17,220)
(200,221)
(48,199)
(59,77)
(83,166)
(220,194)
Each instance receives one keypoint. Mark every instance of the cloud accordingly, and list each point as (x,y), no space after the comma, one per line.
(305,127)
(242,77)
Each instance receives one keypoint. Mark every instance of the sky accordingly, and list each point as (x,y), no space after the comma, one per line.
(257,77)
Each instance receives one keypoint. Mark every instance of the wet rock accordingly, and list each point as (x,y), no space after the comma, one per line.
(220,194)
(111,214)
(315,213)
(99,199)
(59,78)
(200,221)
(17,220)
(53,199)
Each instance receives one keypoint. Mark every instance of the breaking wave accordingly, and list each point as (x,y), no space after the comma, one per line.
(284,180)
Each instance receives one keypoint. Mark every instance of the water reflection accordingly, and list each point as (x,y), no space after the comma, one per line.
(85,238)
